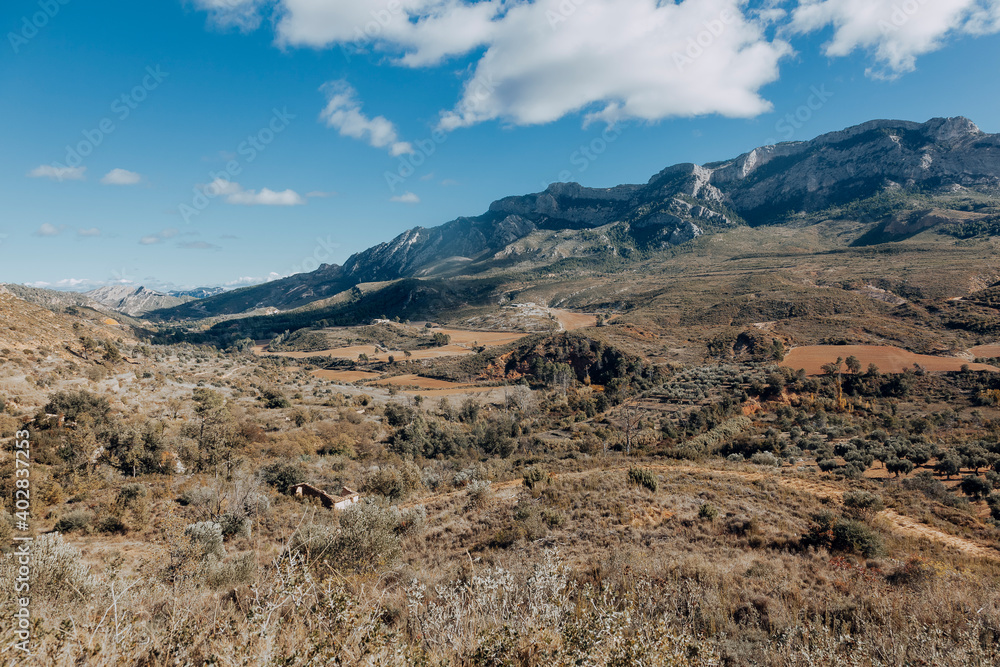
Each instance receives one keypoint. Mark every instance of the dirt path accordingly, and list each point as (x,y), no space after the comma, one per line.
(898,523)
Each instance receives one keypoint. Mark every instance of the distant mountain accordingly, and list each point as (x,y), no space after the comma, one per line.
(52,299)
(134,301)
(677,205)
(197,293)
(28,324)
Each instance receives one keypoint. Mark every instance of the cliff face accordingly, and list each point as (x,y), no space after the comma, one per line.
(682,201)
(859,162)
(678,204)
(134,301)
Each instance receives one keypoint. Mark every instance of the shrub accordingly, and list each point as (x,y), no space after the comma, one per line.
(240,571)
(207,535)
(856,537)
(282,475)
(57,572)
(765,459)
(863,504)
(707,511)
(367,538)
(198,496)
(73,404)
(533,476)
(392,482)
(412,520)
(75,520)
(827,465)
(644,477)
(273,398)
(480,494)
(112,525)
(6,527)
(235,524)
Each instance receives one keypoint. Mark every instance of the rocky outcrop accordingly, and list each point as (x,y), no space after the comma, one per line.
(858,162)
(134,301)
(675,206)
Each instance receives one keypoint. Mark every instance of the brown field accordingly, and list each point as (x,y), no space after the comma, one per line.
(888,359)
(571,320)
(985,351)
(353,351)
(345,376)
(421,382)
(487,338)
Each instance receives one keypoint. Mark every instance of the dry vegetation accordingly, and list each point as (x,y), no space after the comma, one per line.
(654,490)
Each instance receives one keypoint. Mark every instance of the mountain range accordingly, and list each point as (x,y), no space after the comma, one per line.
(770,185)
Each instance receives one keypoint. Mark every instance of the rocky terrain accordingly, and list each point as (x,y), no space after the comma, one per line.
(133,300)
(901,161)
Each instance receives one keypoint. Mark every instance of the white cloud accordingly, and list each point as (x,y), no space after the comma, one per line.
(250,280)
(159,237)
(93,231)
(894,32)
(609,59)
(343,112)
(65,283)
(121,177)
(48,229)
(615,60)
(406,198)
(235,194)
(58,173)
(266,197)
(198,245)
(242,14)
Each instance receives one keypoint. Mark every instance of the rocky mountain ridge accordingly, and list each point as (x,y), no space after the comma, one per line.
(682,202)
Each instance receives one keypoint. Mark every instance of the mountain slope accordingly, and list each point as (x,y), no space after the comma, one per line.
(675,206)
(133,301)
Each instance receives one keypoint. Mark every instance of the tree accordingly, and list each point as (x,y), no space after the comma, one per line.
(441,339)
(853,364)
(74,404)
(833,368)
(111,353)
(976,487)
(897,466)
(949,465)
(630,418)
(89,346)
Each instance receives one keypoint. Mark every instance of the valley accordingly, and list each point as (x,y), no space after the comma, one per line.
(745,413)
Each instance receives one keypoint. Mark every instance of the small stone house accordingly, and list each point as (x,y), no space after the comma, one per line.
(346,498)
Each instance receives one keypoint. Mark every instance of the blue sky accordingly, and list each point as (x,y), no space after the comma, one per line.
(292,122)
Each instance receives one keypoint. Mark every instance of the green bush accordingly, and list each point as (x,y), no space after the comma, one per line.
(112,525)
(644,477)
(282,475)
(392,482)
(80,520)
(534,475)
(707,511)
(857,537)
(863,504)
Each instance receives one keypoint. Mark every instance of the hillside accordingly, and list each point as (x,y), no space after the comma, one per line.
(134,301)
